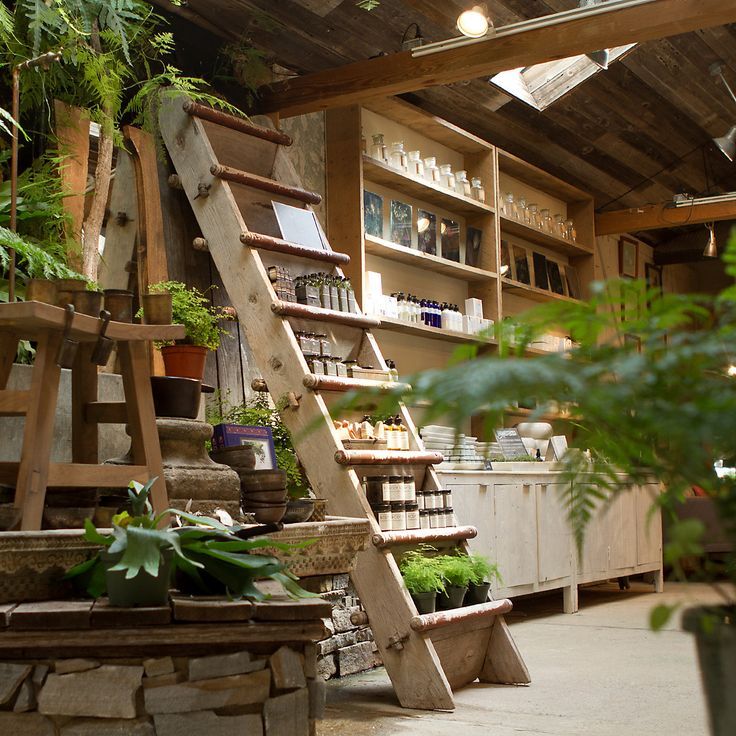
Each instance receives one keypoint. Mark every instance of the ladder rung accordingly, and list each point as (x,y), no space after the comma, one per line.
(339,383)
(261,182)
(258,384)
(303,311)
(420,536)
(14,403)
(106,412)
(429,621)
(277,245)
(235,123)
(387,457)
(69,475)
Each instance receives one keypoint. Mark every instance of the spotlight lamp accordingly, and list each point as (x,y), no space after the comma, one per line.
(711,249)
(475,23)
(727,144)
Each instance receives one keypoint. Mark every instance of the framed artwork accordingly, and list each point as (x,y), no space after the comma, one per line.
(401,223)
(506,265)
(259,438)
(521,266)
(450,240)
(573,282)
(653,275)
(555,277)
(373,214)
(628,256)
(427,232)
(541,280)
(473,243)
(299,226)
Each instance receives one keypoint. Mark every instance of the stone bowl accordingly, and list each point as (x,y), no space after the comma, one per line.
(240,457)
(278,495)
(262,480)
(269,514)
(298,510)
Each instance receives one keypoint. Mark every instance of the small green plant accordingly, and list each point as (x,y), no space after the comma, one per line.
(191,308)
(421,572)
(456,569)
(483,571)
(204,550)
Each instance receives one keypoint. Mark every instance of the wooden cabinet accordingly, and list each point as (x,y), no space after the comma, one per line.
(523,528)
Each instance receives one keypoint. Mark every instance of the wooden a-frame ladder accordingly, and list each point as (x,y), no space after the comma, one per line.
(231,170)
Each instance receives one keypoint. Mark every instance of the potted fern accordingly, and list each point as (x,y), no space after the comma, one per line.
(456,572)
(483,575)
(422,578)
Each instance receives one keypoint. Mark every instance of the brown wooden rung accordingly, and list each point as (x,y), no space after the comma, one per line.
(339,383)
(387,457)
(14,403)
(106,412)
(235,123)
(429,621)
(277,245)
(263,183)
(69,475)
(303,311)
(421,536)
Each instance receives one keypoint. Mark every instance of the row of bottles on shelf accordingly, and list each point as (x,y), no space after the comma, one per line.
(327,291)
(541,219)
(387,434)
(411,162)
(398,506)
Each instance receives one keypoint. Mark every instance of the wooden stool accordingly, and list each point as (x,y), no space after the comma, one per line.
(44,324)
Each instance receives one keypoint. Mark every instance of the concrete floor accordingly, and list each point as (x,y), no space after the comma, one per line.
(600,672)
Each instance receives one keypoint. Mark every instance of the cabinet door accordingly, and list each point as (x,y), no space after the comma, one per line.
(594,558)
(623,530)
(648,525)
(473,505)
(554,534)
(516,533)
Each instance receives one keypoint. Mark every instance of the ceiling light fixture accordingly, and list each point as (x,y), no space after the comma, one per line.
(726,144)
(711,248)
(532,24)
(600,58)
(685,200)
(475,23)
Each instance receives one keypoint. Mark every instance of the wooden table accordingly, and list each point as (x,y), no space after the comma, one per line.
(35,472)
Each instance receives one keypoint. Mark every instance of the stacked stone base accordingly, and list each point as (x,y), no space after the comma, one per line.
(243,693)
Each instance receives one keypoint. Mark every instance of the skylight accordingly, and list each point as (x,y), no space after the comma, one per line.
(541,84)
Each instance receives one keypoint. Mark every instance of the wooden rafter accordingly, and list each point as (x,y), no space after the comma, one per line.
(400,73)
(664,215)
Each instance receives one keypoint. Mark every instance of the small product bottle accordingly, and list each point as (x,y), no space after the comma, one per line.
(396,488)
(509,206)
(388,426)
(428,500)
(398,516)
(416,165)
(450,519)
(412,516)
(385,488)
(378,149)
(431,170)
(462,185)
(420,500)
(534,219)
(383,516)
(560,229)
(434,520)
(424,518)
(447,178)
(547,221)
(523,211)
(403,433)
(397,157)
(410,492)
(572,234)
(477,190)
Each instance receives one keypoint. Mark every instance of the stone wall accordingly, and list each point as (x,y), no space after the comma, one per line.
(243,693)
(349,648)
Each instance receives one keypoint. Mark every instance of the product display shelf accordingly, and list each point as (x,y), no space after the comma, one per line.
(385,249)
(381,173)
(424,668)
(535,294)
(540,237)
(434,333)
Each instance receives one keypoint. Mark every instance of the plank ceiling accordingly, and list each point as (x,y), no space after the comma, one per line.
(634,134)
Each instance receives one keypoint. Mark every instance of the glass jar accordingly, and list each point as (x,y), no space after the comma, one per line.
(342,369)
(424,518)
(462,185)
(398,516)
(523,211)
(410,492)
(383,516)
(560,229)
(396,488)
(546,222)
(509,206)
(534,218)
(385,488)
(416,165)
(477,190)
(434,519)
(412,516)
(397,157)
(450,519)
(420,500)
(447,178)
(438,501)
(572,234)
(431,170)
(446,498)
(378,148)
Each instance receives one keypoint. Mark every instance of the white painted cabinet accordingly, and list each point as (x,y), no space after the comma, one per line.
(522,526)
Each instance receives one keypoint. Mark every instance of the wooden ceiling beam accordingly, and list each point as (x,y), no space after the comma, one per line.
(660,216)
(400,73)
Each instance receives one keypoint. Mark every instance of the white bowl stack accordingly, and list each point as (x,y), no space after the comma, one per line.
(458,449)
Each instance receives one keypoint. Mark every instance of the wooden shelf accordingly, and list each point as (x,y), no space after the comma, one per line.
(381,173)
(534,293)
(398,325)
(544,417)
(538,178)
(533,235)
(385,249)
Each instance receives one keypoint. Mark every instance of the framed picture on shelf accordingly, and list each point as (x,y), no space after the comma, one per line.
(299,226)
(401,223)
(653,276)
(572,281)
(506,269)
(427,232)
(555,278)
(522,272)
(473,244)
(450,240)
(373,214)
(541,279)
(628,256)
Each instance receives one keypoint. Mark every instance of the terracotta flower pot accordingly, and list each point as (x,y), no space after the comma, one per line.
(185,361)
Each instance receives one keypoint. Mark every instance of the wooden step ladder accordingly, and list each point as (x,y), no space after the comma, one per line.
(231,170)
